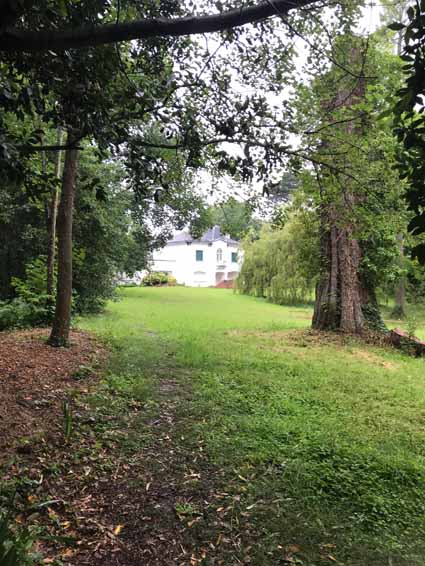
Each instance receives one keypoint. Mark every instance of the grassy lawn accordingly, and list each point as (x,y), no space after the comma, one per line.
(415,313)
(319,443)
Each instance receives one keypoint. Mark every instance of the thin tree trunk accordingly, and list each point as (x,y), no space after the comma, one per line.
(53,212)
(61,323)
(399,310)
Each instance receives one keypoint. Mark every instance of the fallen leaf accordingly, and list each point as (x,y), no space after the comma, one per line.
(292,548)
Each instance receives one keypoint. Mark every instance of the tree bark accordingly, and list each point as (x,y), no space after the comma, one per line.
(61,323)
(51,229)
(340,291)
(14,39)
(344,299)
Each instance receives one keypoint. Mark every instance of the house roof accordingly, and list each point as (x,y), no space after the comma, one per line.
(211,235)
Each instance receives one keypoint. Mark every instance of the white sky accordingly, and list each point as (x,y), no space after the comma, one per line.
(368,23)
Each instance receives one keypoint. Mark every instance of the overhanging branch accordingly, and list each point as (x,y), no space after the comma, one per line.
(91,36)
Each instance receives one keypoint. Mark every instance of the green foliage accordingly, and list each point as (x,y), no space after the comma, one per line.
(22,231)
(282,265)
(155,278)
(33,288)
(411,325)
(410,119)
(32,305)
(234,218)
(415,282)
(16,313)
(15,544)
(101,231)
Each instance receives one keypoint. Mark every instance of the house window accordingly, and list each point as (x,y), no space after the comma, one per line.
(234,257)
(199,255)
(219,255)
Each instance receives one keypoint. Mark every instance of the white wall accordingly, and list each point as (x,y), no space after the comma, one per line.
(180,260)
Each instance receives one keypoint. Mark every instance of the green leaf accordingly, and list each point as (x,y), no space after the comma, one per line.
(396,26)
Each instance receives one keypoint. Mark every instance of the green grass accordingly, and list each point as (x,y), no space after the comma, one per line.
(415,314)
(327,435)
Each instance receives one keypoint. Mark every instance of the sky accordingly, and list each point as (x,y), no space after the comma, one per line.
(368,23)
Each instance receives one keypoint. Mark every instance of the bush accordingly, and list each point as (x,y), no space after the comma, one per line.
(18,313)
(32,306)
(171,281)
(155,279)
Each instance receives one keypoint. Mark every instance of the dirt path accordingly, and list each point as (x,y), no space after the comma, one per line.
(129,485)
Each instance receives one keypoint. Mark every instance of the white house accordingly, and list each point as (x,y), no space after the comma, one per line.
(206,262)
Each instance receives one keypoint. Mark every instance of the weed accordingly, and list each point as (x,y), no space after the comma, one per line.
(411,325)
(83,372)
(16,543)
(185,509)
(67,420)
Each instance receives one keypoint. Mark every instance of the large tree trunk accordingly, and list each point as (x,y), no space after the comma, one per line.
(52,216)
(344,300)
(340,292)
(61,323)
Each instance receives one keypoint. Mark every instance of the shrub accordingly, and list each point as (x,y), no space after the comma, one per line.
(171,281)
(32,306)
(155,279)
(18,313)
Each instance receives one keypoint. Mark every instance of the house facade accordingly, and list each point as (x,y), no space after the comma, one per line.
(205,262)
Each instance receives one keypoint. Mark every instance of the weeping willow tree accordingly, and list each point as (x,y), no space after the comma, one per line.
(282,264)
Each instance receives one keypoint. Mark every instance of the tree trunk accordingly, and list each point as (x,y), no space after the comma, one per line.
(51,228)
(61,323)
(400,299)
(344,300)
(340,291)
(399,310)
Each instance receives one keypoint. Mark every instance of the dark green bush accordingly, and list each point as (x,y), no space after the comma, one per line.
(18,313)
(32,305)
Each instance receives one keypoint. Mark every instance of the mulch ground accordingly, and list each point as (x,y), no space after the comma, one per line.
(36,378)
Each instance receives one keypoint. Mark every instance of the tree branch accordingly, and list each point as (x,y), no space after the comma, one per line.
(89,36)
(281,149)
(48,147)
(362,115)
